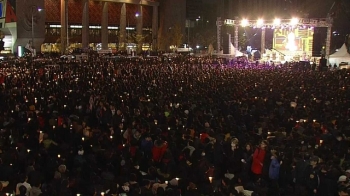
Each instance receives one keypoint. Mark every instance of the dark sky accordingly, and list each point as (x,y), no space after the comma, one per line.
(320,8)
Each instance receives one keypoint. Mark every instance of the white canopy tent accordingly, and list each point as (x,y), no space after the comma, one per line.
(340,56)
(235,52)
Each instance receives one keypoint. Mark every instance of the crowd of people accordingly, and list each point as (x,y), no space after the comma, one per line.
(185,126)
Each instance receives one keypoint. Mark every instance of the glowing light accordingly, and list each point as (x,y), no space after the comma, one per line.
(260,22)
(277,22)
(244,23)
(291,45)
(294,21)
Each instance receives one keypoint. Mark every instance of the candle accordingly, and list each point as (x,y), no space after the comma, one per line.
(166,182)
(53,127)
(155,122)
(58,156)
(102,193)
(28,150)
(177,179)
(321,141)
(314,120)
(168,128)
(111,137)
(64,105)
(210,179)
(82,138)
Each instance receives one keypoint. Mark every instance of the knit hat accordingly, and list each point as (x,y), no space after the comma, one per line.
(342,178)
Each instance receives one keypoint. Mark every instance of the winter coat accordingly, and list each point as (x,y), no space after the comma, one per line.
(158,152)
(258,160)
(300,170)
(313,180)
(274,169)
(234,163)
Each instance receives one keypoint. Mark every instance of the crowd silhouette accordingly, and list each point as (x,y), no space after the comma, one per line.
(184,126)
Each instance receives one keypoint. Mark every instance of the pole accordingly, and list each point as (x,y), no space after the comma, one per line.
(263,35)
(328,41)
(32,45)
(127,49)
(218,34)
(67,46)
(188,37)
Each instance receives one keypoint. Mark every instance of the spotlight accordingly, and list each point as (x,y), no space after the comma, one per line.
(294,21)
(260,22)
(244,23)
(277,22)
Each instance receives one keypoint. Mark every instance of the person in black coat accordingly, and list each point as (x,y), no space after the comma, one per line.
(312,176)
(234,159)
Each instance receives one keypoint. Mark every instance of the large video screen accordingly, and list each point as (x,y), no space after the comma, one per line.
(293,40)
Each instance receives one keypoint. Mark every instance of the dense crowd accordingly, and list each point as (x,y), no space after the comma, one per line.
(175,127)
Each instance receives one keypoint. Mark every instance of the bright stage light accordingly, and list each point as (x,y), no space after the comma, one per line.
(294,21)
(244,23)
(260,22)
(277,22)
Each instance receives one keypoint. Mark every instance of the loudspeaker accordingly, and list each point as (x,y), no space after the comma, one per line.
(318,41)
(226,43)
(323,64)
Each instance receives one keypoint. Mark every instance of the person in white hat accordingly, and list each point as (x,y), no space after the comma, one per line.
(343,180)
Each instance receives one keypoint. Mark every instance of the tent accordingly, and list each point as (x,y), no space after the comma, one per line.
(235,52)
(340,56)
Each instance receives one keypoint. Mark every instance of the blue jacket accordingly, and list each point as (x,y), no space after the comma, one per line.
(274,170)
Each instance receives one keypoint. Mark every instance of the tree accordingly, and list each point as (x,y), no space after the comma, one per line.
(176,35)
(139,38)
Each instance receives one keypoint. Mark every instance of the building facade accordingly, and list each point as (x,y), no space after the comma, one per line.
(56,25)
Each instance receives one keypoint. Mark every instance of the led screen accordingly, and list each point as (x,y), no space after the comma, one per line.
(293,40)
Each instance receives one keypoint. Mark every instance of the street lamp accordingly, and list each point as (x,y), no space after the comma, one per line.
(35,9)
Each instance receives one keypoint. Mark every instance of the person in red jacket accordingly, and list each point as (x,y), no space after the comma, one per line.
(258,159)
(158,150)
